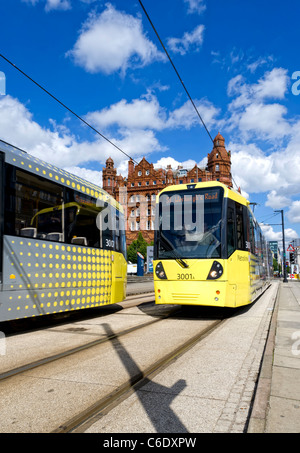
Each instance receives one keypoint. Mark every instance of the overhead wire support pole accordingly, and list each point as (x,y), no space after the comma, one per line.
(66,107)
(177,73)
(283,241)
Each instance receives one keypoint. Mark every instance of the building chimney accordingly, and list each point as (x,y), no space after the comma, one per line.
(130,167)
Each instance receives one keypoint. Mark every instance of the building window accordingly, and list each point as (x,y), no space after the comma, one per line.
(132,212)
(147,183)
(153,197)
(108,181)
(139,184)
(154,183)
(192,180)
(132,199)
(147,172)
(132,184)
(137,198)
(139,173)
(217,167)
(132,226)
(147,197)
(137,226)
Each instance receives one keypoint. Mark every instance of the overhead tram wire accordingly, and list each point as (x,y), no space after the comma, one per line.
(177,73)
(84,121)
(66,107)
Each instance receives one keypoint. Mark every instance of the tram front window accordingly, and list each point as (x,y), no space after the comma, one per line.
(190,224)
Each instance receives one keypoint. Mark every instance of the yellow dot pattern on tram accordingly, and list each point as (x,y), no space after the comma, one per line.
(37,166)
(47,277)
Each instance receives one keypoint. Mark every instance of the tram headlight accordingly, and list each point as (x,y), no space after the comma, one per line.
(160,272)
(216,271)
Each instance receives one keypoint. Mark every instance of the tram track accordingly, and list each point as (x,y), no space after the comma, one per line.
(128,303)
(64,392)
(85,419)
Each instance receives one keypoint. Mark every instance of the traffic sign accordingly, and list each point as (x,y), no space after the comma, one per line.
(290,248)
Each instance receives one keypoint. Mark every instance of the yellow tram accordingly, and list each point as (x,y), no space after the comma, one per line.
(209,249)
(62,240)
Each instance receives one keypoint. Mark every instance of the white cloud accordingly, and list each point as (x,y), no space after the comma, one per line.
(59,147)
(276,173)
(57,4)
(277,201)
(113,41)
(272,235)
(265,120)
(139,113)
(252,170)
(251,115)
(146,113)
(92,176)
(186,116)
(274,84)
(195,6)
(189,41)
(259,62)
(294,212)
(53,4)
(235,85)
(165,161)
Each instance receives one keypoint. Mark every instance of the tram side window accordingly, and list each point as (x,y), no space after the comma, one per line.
(236,228)
(29,198)
(252,235)
(240,227)
(120,245)
(80,219)
(230,229)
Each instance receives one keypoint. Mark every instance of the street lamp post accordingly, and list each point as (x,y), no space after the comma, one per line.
(283,240)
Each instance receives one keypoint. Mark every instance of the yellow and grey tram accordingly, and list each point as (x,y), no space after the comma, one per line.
(209,249)
(62,240)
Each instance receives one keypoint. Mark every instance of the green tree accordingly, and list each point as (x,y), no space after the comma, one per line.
(138,245)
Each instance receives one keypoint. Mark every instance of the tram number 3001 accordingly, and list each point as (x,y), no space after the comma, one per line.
(185,277)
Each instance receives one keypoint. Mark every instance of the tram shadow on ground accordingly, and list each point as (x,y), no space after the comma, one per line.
(209,312)
(25,325)
(157,399)
(193,311)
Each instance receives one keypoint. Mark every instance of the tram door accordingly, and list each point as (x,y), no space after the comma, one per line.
(1,211)
(238,256)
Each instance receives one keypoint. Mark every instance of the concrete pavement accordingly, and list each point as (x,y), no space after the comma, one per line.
(276,407)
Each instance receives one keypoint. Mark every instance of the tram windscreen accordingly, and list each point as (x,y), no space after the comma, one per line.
(189,224)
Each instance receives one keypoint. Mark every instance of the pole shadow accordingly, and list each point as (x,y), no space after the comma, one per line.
(156,399)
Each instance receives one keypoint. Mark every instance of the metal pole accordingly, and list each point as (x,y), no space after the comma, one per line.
(283,240)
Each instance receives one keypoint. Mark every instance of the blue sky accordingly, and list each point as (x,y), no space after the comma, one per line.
(238,59)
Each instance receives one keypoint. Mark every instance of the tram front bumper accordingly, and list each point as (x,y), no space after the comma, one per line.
(213,293)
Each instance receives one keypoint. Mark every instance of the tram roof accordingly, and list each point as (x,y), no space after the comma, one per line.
(21,159)
(228,191)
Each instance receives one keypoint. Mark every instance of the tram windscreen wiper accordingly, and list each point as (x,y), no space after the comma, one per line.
(169,248)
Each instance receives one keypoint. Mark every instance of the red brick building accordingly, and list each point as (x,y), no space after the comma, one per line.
(138,191)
